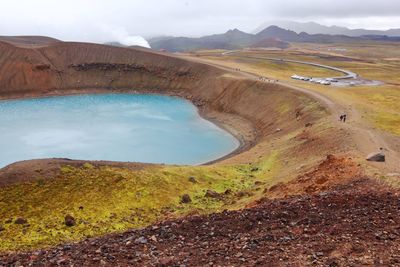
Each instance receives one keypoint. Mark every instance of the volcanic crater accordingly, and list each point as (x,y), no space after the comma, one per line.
(271,197)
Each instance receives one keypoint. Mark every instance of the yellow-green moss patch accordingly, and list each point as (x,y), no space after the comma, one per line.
(107,199)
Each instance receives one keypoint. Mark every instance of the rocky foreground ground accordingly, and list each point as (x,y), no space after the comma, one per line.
(357,224)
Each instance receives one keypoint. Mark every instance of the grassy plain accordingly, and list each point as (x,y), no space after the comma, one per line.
(380,105)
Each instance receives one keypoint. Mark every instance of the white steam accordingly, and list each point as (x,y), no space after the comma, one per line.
(134,40)
(123,37)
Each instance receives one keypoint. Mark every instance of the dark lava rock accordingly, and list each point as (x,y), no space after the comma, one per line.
(308,124)
(330,157)
(377,157)
(212,194)
(192,179)
(141,240)
(228,192)
(21,221)
(186,199)
(69,221)
(42,67)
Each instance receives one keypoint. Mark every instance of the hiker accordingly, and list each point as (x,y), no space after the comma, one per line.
(344,117)
(341,118)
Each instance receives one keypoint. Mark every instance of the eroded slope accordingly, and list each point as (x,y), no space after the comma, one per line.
(283,132)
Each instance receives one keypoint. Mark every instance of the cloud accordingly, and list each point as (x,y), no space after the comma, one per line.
(77,20)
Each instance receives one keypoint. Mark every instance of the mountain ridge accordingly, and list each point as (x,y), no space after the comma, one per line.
(316,28)
(236,39)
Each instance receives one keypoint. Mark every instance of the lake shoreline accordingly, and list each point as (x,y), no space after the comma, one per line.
(226,122)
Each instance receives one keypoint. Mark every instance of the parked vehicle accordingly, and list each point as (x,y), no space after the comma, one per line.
(332,80)
(315,80)
(325,82)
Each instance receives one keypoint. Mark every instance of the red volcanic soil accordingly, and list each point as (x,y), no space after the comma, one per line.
(28,41)
(352,223)
(330,215)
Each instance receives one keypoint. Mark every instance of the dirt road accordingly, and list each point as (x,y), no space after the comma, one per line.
(366,138)
(347,74)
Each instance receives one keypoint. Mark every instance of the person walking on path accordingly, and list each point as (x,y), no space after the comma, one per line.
(343,118)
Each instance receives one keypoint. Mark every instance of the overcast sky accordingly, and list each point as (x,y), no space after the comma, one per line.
(106,20)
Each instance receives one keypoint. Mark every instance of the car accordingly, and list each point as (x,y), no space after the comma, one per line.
(332,80)
(325,82)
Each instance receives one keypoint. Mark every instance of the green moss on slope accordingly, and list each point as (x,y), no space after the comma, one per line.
(106,199)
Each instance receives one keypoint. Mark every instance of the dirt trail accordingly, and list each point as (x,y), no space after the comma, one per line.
(366,138)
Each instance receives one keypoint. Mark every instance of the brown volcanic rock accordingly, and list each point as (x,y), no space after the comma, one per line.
(186,199)
(21,220)
(377,157)
(212,194)
(353,224)
(18,72)
(69,221)
(66,63)
(333,171)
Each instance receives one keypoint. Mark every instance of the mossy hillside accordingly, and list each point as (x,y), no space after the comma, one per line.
(105,199)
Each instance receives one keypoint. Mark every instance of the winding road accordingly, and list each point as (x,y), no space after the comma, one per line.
(366,138)
(347,74)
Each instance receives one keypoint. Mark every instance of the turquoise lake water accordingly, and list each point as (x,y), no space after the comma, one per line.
(115,127)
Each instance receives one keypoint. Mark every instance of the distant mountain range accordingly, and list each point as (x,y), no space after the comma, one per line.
(272,36)
(232,39)
(315,28)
